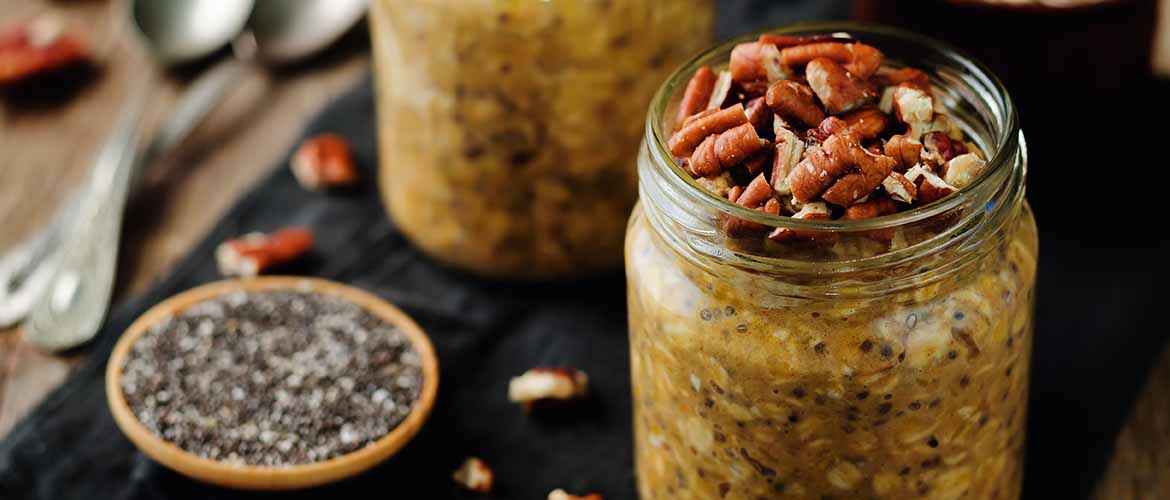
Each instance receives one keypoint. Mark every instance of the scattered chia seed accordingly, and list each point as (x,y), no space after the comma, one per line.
(272,378)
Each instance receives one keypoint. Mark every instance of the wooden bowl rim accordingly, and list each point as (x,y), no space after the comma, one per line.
(268,477)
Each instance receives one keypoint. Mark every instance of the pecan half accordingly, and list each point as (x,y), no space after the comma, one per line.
(737,144)
(254,253)
(858,58)
(865,124)
(474,475)
(324,161)
(871,171)
(795,101)
(756,61)
(837,89)
(697,94)
(759,114)
(904,150)
(683,142)
(703,161)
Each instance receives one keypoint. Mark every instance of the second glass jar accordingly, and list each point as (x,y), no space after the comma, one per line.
(508,129)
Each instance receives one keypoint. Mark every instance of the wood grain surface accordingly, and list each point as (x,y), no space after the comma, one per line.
(49,136)
(48,140)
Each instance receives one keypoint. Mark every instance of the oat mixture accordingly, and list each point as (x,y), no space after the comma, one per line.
(744,393)
(508,130)
(272,378)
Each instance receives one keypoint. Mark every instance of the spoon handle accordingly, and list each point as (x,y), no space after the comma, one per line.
(72,309)
(197,101)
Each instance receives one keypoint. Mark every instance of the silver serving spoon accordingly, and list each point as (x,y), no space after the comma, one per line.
(79,281)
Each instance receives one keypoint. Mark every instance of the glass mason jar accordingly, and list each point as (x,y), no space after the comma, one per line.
(847,364)
(508,128)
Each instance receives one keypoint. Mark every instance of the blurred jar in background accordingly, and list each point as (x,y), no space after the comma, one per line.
(1072,66)
(508,130)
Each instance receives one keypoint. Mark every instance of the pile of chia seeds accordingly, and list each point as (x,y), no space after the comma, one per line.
(272,378)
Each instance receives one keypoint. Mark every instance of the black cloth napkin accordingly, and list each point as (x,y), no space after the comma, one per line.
(1098,328)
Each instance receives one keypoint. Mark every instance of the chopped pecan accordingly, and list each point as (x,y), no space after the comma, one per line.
(324,161)
(940,148)
(703,161)
(900,188)
(759,114)
(789,150)
(38,47)
(548,383)
(721,91)
(904,150)
(756,162)
(912,105)
(734,193)
(697,94)
(756,61)
(910,77)
(683,142)
(785,41)
(808,211)
(756,193)
(795,101)
(254,253)
(736,145)
(932,188)
(875,207)
(559,494)
(858,58)
(962,170)
(871,171)
(752,89)
(828,127)
(840,172)
(474,475)
(865,124)
(838,90)
(691,119)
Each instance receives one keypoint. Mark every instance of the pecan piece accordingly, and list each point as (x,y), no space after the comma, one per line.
(838,90)
(254,253)
(41,46)
(840,172)
(808,211)
(912,105)
(909,77)
(932,188)
(940,148)
(756,163)
(683,142)
(900,188)
(697,94)
(789,150)
(737,144)
(858,58)
(828,127)
(721,92)
(785,41)
(962,170)
(756,61)
(794,101)
(559,494)
(871,171)
(876,207)
(904,150)
(474,475)
(865,124)
(759,114)
(324,161)
(703,161)
(753,196)
(756,193)
(548,383)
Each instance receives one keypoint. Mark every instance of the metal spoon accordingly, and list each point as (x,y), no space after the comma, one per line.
(280,32)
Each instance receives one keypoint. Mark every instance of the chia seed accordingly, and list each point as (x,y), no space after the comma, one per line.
(272,378)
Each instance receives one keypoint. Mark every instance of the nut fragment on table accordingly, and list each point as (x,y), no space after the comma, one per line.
(474,475)
(548,383)
(39,46)
(324,161)
(559,494)
(254,253)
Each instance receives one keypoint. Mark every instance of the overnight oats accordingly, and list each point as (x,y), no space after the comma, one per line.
(831,274)
(508,130)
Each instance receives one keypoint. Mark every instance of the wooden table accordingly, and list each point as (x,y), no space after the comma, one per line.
(48,146)
(47,149)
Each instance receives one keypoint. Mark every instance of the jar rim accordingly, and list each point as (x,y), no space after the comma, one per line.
(1007,146)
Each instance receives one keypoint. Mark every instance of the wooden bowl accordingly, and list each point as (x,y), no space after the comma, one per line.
(272,478)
